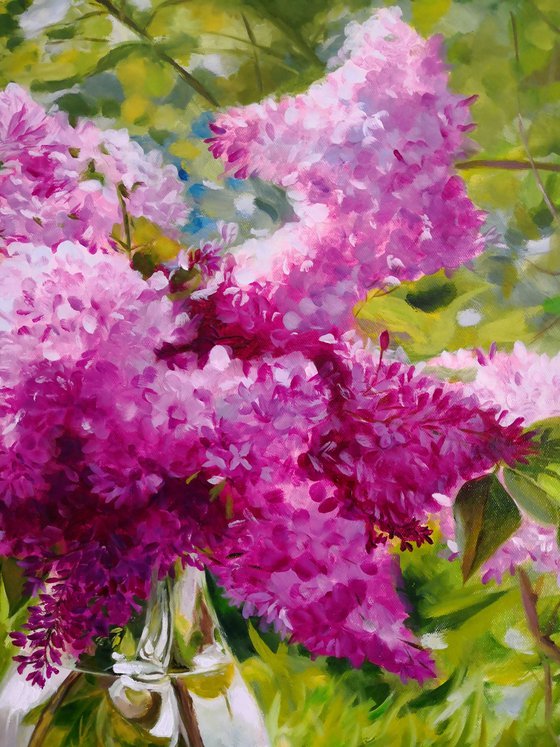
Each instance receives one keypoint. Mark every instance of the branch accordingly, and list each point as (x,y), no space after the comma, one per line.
(131,24)
(507,164)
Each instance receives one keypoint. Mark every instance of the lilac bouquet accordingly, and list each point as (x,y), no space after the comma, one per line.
(224,412)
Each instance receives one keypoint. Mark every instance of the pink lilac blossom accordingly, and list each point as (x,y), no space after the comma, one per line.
(531,543)
(59,182)
(206,258)
(386,438)
(370,179)
(309,575)
(101,434)
(95,443)
(525,384)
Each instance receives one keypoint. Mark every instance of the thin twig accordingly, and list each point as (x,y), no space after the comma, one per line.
(251,36)
(47,715)
(507,164)
(545,18)
(289,31)
(126,219)
(552,273)
(544,330)
(131,24)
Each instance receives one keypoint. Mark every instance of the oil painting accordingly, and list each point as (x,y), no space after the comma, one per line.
(279,373)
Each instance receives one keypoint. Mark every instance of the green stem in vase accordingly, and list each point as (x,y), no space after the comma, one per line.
(46,718)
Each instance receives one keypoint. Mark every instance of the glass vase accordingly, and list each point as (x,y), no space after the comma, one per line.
(167,679)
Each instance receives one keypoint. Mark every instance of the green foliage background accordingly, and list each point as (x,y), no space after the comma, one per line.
(160,69)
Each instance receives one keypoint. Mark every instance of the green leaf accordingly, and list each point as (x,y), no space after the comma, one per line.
(552,305)
(433,297)
(486,517)
(118,53)
(14,585)
(528,494)
(435,695)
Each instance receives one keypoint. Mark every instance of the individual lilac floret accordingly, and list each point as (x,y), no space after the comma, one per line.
(370,176)
(59,182)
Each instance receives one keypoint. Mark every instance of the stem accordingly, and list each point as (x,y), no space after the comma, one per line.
(126,219)
(187,712)
(46,717)
(253,41)
(529,599)
(508,164)
(131,24)
(547,692)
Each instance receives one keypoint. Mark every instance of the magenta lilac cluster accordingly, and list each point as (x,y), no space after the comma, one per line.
(59,182)
(370,176)
(102,436)
(202,419)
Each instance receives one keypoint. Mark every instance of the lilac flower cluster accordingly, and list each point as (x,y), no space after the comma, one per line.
(526,385)
(230,422)
(370,177)
(101,434)
(59,182)
(310,576)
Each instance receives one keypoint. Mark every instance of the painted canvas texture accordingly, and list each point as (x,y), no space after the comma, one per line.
(279,373)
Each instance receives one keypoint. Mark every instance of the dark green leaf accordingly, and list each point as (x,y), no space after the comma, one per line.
(432,299)
(531,497)
(14,585)
(486,517)
(77,105)
(454,620)
(267,208)
(434,696)
(51,86)
(63,32)
(7,24)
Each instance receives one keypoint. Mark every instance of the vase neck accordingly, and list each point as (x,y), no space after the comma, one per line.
(156,639)
(176,632)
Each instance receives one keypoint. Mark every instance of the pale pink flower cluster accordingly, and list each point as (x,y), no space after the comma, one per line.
(525,384)
(59,182)
(370,177)
(531,543)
